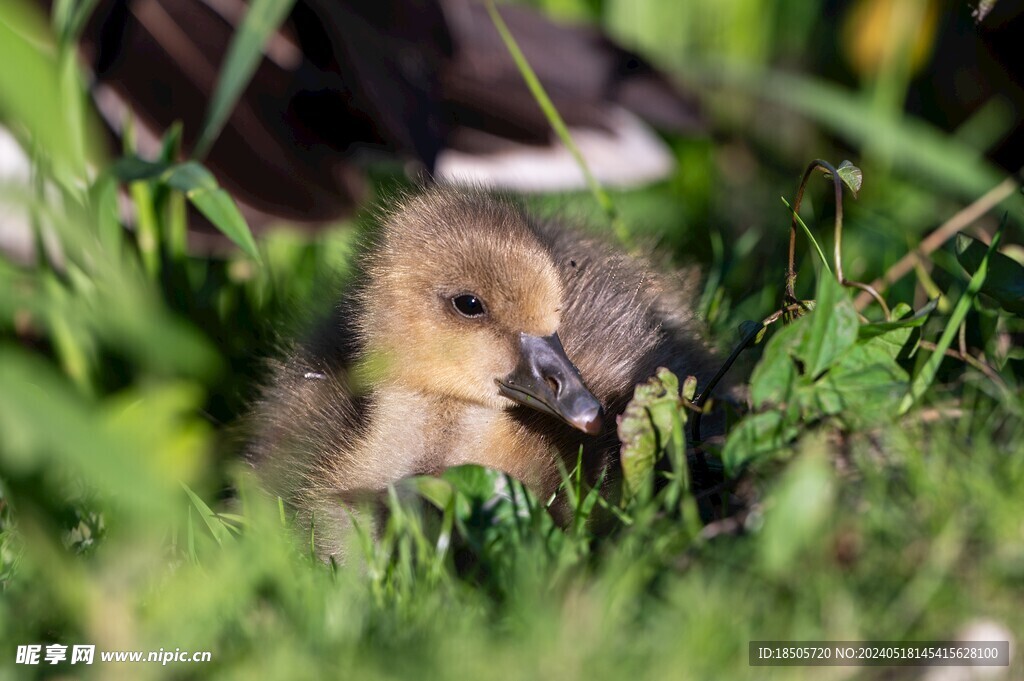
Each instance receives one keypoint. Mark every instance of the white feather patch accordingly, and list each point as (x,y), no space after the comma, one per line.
(628,155)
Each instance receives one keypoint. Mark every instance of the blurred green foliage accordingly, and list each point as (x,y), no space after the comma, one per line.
(126,362)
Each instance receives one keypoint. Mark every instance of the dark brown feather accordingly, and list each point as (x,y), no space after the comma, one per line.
(347,80)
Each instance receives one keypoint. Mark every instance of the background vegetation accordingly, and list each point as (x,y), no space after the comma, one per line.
(866,514)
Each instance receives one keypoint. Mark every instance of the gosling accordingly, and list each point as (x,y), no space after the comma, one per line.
(475,334)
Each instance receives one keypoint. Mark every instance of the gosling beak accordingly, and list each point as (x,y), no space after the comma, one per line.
(546,380)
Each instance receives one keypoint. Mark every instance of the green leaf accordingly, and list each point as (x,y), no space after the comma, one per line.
(135,169)
(190,177)
(441,493)
(489,506)
(851,176)
(200,187)
(817,367)
(900,320)
(1005,280)
(243,57)
(773,377)
(831,328)
(865,386)
(898,337)
(475,482)
(645,429)
(755,437)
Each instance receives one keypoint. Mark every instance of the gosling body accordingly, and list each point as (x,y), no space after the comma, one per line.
(476,334)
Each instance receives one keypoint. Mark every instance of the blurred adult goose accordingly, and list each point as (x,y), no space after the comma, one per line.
(343,82)
(477,334)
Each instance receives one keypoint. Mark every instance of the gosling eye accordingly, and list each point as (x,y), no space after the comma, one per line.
(468,305)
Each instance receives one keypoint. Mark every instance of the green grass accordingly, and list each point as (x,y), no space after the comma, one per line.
(125,369)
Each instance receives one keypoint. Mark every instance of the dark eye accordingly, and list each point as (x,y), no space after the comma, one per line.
(468,305)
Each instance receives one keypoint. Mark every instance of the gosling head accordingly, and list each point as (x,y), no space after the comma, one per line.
(463,302)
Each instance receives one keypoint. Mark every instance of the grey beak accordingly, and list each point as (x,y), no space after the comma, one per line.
(546,380)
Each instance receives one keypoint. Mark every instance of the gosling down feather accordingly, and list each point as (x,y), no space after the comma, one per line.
(475,334)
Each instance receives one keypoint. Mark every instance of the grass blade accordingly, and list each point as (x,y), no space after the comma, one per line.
(216,525)
(244,54)
(810,237)
(1005,282)
(916,148)
(555,119)
(925,377)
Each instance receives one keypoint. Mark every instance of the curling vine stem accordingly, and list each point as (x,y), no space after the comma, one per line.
(837,184)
